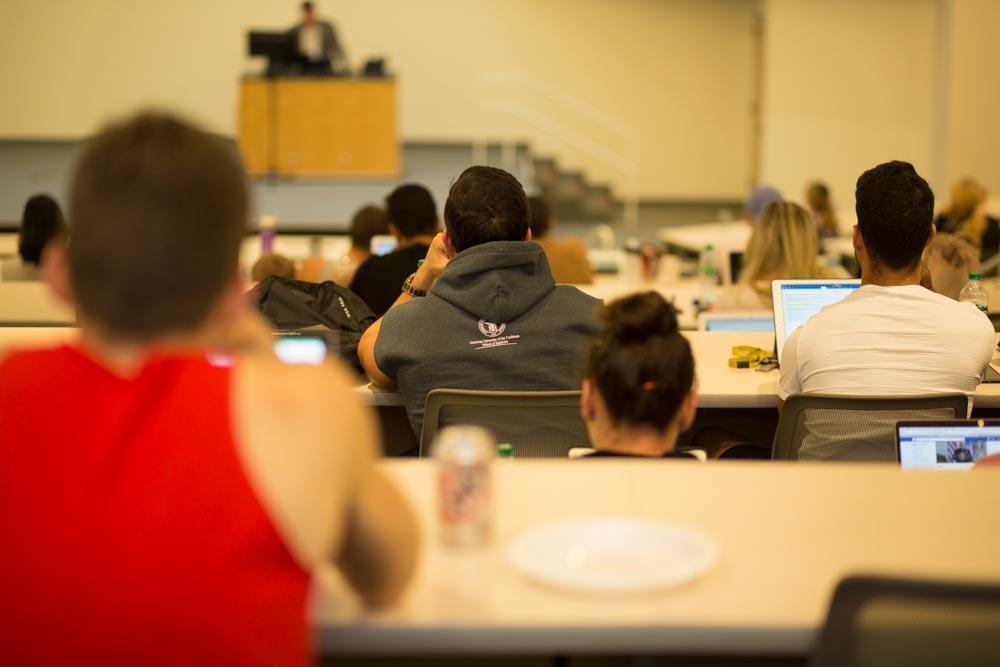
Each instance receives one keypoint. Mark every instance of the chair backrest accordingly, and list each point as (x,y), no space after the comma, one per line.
(884,621)
(536,423)
(860,428)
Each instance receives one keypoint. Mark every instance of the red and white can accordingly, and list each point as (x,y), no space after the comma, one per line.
(465,484)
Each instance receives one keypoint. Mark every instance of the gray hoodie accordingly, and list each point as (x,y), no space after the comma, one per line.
(494,320)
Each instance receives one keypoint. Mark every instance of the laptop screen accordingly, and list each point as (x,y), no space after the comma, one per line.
(795,301)
(946,445)
(759,324)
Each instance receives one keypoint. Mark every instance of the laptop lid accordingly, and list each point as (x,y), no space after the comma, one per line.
(795,301)
(946,445)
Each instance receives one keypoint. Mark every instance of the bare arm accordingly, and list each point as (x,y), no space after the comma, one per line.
(309,447)
(379,551)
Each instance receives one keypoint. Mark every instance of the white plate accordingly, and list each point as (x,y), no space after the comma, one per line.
(612,554)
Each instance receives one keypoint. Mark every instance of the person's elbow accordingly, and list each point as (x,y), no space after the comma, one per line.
(399,571)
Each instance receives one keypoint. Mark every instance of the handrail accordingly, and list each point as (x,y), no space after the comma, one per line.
(626,164)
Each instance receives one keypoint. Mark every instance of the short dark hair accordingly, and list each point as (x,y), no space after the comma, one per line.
(412,210)
(541,216)
(307,6)
(895,208)
(158,208)
(486,204)
(640,363)
(367,222)
(41,222)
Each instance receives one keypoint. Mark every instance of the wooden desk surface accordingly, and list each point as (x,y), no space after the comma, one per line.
(787,533)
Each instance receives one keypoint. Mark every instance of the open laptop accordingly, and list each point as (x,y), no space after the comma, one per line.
(754,321)
(795,301)
(946,445)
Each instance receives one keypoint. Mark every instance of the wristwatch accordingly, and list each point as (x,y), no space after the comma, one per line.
(408,287)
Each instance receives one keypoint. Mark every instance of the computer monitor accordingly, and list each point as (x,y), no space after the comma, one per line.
(946,445)
(281,48)
(795,301)
(383,244)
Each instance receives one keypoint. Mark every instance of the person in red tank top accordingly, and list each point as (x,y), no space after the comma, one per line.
(156,508)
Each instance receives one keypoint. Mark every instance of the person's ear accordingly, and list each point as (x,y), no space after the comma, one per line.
(55,270)
(527,237)
(394,230)
(234,301)
(446,239)
(931,235)
(857,241)
(689,409)
(587,410)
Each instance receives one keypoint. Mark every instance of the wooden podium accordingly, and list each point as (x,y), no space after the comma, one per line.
(318,126)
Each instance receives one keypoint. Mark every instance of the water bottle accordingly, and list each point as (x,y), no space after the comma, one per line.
(708,275)
(975,293)
(268,229)
(465,455)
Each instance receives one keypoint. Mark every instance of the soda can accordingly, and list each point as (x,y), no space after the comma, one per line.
(464,455)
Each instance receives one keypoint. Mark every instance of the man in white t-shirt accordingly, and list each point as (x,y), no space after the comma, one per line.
(891,336)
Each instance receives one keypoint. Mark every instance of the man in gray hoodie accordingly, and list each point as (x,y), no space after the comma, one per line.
(482,311)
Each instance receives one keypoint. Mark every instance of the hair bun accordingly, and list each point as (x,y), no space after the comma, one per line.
(639,317)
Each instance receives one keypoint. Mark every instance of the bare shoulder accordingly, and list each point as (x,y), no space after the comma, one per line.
(311,403)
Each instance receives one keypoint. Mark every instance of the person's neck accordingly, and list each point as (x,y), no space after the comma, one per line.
(873,275)
(127,357)
(420,239)
(358,255)
(636,440)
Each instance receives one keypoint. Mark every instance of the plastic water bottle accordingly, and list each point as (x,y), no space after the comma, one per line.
(708,275)
(975,293)
(465,484)
(268,229)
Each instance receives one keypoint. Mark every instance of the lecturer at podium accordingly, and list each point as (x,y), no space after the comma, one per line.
(319,47)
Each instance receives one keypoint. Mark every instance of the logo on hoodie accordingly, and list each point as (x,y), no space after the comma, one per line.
(490,329)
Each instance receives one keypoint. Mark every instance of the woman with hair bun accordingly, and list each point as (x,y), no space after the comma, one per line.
(638,387)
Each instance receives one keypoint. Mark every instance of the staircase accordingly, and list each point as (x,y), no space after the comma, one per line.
(571,197)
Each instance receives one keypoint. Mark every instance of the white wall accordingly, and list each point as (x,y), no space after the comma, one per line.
(675,73)
(848,85)
(973,98)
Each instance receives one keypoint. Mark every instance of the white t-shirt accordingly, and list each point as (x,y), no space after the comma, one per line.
(311,41)
(902,340)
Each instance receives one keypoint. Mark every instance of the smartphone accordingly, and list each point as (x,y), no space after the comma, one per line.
(300,350)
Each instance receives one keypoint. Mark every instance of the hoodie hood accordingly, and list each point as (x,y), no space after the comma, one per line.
(496,282)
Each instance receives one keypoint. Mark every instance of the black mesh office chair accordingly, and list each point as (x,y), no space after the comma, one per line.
(537,423)
(883,621)
(862,428)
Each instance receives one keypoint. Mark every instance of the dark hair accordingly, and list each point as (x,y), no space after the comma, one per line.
(41,221)
(541,217)
(158,208)
(307,6)
(411,209)
(640,363)
(485,204)
(895,208)
(369,221)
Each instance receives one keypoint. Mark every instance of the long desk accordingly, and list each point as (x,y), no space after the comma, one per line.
(718,385)
(786,532)
(32,304)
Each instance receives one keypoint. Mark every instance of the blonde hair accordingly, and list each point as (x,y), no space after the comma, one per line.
(818,198)
(964,218)
(783,245)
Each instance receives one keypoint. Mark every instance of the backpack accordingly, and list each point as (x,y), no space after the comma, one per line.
(326,309)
